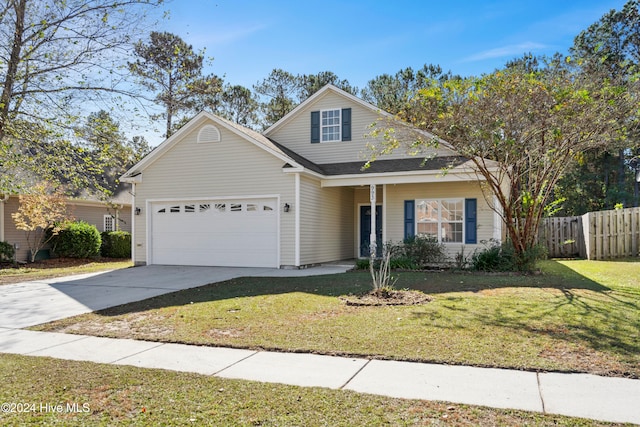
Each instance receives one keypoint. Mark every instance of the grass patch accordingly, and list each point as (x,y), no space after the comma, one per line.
(578,316)
(59,267)
(123,395)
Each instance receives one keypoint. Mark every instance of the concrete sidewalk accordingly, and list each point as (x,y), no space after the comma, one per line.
(578,395)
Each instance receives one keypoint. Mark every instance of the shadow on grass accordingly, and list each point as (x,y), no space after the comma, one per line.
(359,282)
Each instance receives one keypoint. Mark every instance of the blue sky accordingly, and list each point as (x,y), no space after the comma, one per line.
(359,40)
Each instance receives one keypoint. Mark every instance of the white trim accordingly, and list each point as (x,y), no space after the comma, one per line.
(497,219)
(384,213)
(398,178)
(149,223)
(296,210)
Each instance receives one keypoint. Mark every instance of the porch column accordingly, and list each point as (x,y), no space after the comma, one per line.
(372,236)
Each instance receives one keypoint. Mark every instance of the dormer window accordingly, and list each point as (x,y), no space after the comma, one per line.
(331,125)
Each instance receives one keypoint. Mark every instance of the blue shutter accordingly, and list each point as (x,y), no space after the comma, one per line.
(471,221)
(409,218)
(346,124)
(315,126)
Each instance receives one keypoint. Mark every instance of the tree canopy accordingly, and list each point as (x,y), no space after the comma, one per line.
(169,66)
(519,129)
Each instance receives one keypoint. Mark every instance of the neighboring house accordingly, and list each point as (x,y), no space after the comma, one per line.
(105,217)
(217,193)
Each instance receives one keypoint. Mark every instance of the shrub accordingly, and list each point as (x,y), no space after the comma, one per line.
(116,244)
(423,251)
(6,251)
(502,257)
(78,240)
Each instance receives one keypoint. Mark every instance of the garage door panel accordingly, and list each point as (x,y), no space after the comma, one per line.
(210,232)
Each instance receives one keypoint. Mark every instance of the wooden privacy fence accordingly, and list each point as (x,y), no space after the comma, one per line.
(594,235)
(563,237)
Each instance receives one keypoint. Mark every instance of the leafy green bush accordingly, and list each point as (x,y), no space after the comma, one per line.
(6,251)
(116,244)
(77,240)
(423,251)
(499,257)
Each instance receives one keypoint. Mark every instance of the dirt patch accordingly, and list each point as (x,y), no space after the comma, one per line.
(584,359)
(384,297)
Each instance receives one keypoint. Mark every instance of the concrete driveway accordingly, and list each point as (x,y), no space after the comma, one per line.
(32,303)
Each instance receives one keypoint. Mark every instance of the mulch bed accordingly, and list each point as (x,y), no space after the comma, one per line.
(385,297)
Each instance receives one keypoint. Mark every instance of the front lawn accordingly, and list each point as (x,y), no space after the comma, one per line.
(68,393)
(578,316)
(58,267)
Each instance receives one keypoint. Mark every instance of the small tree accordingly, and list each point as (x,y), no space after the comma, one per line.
(40,215)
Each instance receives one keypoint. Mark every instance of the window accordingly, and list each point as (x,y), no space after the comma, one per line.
(330,125)
(109,223)
(442,219)
(174,209)
(189,208)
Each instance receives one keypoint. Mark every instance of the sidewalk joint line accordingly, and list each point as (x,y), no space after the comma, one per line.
(235,363)
(544,410)
(80,338)
(160,344)
(354,375)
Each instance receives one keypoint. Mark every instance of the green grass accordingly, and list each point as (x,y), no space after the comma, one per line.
(578,316)
(58,268)
(123,395)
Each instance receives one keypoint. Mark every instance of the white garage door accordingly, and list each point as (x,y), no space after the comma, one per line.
(239,233)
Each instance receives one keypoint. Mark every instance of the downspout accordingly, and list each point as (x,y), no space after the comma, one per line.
(296,211)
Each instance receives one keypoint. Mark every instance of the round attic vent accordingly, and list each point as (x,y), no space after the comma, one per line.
(208,133)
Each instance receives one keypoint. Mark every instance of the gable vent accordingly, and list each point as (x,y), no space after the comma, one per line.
(208,133)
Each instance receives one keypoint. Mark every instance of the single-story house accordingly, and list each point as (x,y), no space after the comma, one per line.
(115,215)
(217,193)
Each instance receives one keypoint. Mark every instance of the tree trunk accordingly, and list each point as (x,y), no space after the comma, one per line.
(20,7)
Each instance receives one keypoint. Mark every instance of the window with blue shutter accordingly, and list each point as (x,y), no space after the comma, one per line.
(346,124)
(471,221)
(409,218)
(331,125)
(315,126)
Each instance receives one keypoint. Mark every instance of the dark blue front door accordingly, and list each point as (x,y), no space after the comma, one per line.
(365,230)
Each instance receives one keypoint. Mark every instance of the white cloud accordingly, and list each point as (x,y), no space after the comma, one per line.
(505,51)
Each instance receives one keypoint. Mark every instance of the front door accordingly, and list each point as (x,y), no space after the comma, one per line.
(365,230)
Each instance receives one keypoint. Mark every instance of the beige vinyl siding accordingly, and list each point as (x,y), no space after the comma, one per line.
(233,167)
(91,213)
(397,194)
(295,134)
(94,215)
(326,223)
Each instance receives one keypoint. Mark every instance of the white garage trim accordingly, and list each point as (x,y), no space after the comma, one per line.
(273,227)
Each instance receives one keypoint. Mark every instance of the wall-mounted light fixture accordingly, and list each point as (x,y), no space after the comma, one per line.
(287,207)
(137,211)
